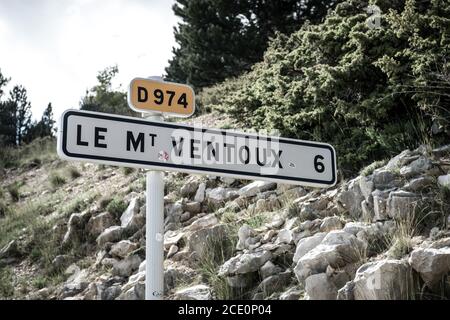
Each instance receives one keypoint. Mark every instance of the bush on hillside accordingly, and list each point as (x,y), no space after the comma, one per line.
(371,92)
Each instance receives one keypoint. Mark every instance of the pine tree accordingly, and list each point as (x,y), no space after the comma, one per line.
(218,39)
(21,112)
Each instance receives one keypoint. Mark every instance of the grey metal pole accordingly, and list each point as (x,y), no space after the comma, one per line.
(154,250)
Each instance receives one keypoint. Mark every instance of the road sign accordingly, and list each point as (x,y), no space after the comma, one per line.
(151,95)
(127,141)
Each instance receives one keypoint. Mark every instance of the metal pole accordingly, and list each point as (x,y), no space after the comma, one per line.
(154,238)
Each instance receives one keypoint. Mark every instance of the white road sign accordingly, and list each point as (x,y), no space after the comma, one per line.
(126,141)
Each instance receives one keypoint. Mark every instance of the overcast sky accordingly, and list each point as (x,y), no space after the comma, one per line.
(56,47)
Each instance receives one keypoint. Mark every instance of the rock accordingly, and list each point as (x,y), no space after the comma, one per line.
(268,236)
(125,267)
(76,283)
(189,188)
(383,280)
(175,275)
(291,294)
(241,281)
(111,293)
(367,211)
(173,249)
(379,204)
(284,236)
(274,283)
(111,234)
(307,244)
(432,264)
(193,207)
(123,248)
(419,184)
(354,227)
(366,186)
(197,292)
(346,292)
(60,261)
(75,227)
(200,194)
(398,161)
(244,234)
(172,238)
(173,212)
(204,222)
(337,249)
(245,263)
(384,179)
(220,195)
(444,181)
(277,222)
(205,240)
(351,199)
(9,252)
(128,217)
(442,151)
(269,269)
(256,187)
(422,164)
(97,224)
(401,204)
(330,223)
(320,287)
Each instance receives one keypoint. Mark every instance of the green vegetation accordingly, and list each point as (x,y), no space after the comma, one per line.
(6,282)
(218,251)
(79,203)
(217,39)
(14,192)
(29,155)
(370,92)
(127,170)
(116,207)
(56,180)
(73,172)
(367,171)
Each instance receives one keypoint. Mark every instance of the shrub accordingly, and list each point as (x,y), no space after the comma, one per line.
(370,92)
(116,207)
(127,170)
(14,192)
(104,201)
(56,180)
(73,172)
(6,282)
(4,208)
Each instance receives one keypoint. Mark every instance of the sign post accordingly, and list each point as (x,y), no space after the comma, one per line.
(154,226)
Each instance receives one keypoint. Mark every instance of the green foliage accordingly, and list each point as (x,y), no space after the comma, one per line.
(220,38)
(218,250)
(367,171)
(29,155)
(6,282)
(43,128)
(56,180)
(73,172)
(116,207)
(104,201)
(4,208)
(127,170)
(14,192)
(371,92)
(79,203)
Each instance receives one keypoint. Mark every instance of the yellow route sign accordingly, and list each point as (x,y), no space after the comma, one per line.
(149,95)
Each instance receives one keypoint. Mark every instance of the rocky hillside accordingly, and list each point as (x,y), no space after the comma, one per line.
(77,231)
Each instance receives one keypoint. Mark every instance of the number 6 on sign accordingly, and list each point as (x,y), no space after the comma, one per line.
(149,95)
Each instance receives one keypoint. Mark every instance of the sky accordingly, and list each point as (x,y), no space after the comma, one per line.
(55,48)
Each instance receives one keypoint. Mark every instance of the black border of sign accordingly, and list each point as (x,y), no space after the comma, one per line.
(176,126)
